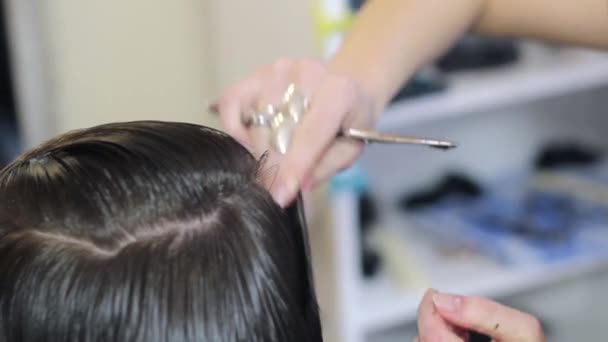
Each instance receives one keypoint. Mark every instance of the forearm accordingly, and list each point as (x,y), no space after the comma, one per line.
(391,39)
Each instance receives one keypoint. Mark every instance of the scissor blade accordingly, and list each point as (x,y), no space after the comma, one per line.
(377,137)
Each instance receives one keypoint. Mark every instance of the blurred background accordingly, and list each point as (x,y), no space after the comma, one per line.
(518,213)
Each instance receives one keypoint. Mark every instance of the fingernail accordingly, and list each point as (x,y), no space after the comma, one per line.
(284,192)
(447,302)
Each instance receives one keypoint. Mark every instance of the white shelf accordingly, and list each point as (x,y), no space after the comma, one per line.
(536,77)
(363,307)
(384,306)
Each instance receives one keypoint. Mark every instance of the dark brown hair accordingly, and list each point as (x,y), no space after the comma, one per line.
(149,231)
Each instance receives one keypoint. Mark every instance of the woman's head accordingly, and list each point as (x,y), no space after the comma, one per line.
(149,231)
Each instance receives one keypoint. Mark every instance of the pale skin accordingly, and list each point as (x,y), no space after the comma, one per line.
(448,318)
(388,42)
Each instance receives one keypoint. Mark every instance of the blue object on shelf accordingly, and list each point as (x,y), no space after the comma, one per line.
(352,179)
(517,224)
(355,5)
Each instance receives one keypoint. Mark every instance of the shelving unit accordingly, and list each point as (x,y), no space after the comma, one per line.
(368,306)
(383,305)
(540,74)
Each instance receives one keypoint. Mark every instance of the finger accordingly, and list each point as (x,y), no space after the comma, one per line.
(416,339)
(339,157)
(487,317)
(305,74)
(269,169)
(308,76)
(277,78)
(276,81)
(234,102)
(314,134)
(343,152)
(431,326)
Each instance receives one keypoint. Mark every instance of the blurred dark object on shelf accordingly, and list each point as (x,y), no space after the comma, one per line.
(566,154)
(552,211)
(426,81)
(452,185)
(547,217)
(475,52)
(9,141)
(7,96)
(543,217)
(371,262)
(368,215)
(355,5)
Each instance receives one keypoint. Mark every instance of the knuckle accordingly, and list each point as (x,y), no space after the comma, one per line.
(234,92)
(534,327)
(282,64)
(311,66)
(297,158)
(345,86)
(477,310)
(299,167)
(259,72)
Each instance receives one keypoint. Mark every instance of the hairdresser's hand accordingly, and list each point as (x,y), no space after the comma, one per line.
(443,317)
(314,154)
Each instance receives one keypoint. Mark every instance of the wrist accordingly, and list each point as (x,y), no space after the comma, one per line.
(376,79)
(367,78)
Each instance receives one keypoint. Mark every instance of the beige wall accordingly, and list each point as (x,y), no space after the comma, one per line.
(246,34)
(113,60)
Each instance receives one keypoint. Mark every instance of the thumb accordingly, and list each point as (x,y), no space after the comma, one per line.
(487,317)
(284,187)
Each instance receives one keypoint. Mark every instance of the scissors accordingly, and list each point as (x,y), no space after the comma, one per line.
(283,119)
